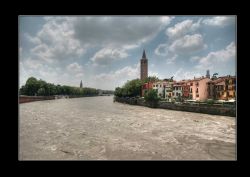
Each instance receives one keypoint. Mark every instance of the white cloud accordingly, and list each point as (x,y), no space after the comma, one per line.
(117,78)
(217,58)
(181,74)
(219,21)
(162,50)
(62,38)
(194,58)
(32,64)
(118,30)
(79,75)
(55,41)
(182,28)
(32,39)
(107,55)
(74,67)
(172,59)
(181,40)
(187,44)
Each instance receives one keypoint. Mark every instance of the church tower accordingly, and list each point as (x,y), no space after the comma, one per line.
(144,66)
(81,84)
(208,75)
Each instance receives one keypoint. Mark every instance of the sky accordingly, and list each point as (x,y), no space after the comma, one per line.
(104,51)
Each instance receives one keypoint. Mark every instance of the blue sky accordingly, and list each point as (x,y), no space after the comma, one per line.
(104,51)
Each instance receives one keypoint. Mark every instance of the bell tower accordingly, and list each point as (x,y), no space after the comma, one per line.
(81,84)
(144,66)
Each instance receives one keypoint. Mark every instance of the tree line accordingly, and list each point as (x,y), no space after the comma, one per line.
(133,88)
(35,87)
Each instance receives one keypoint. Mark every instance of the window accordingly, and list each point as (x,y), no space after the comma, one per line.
(173,93)
(191,84)
(156,85)
(197,90)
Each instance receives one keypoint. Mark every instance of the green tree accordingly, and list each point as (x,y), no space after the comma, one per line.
(150,79)
(151,98)
(118,92)
(41,92)
(22,90)
(32,85)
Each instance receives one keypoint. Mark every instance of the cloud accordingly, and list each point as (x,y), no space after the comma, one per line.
(32,39)
(194,58)
(181,74)
(107,55)
(118,30)
(181,40)
(172,59)
(79,75)
(182,28)
(74,67)
(32,64)
(64,38)
(55,41)
(117,78)
(187,44)
(219,21)
(162,50)
(217,58)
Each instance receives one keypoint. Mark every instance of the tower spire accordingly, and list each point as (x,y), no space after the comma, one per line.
(144,54)
(81,84)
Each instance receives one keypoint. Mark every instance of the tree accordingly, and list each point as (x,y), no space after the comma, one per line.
(130,89)
(41,92)
(42,88)
(32,86)
(214,76)
(22,90)
(151,98)
(151,79)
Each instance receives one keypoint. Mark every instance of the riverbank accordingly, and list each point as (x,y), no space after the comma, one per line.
(224,110)
(26,99)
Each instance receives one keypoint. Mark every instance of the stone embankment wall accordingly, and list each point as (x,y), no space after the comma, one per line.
(225,110)
(25,99)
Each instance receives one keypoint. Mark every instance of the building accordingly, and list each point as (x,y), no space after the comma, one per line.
(159,87)
(81,84)
(144,66)
(177,90)
(186,91)
(198,88)
(222,88)
(231,87)
(169,89)
(164,89)
(146,87)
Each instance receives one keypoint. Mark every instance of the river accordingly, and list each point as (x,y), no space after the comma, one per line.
(96,128)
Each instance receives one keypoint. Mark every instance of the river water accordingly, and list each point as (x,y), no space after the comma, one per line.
(96,128)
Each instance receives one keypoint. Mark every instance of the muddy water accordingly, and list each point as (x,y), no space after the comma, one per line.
(94,128)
